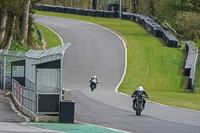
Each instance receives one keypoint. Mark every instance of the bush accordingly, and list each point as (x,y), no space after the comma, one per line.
(187,24)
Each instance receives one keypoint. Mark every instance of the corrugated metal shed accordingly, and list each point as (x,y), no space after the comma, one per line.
(59,50)
(35,57)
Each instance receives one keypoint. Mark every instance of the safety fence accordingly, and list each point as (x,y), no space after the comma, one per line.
(39,33)
(6,57)
(191,63)
(25,96)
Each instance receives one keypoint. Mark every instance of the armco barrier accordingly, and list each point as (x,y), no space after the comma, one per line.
(24,96)
(191,63)
(150,24)
(39,32)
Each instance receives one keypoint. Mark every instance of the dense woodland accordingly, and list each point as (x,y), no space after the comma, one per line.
(181,16)
(16,22)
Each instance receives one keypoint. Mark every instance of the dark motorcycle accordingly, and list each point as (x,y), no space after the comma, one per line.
(93,84)
(139,104)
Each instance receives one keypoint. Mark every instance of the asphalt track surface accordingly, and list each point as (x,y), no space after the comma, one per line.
(97,51)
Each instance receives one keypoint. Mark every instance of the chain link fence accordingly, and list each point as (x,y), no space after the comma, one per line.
(6,57)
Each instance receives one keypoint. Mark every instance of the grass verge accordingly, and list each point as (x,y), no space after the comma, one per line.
(51,38)
(149,63)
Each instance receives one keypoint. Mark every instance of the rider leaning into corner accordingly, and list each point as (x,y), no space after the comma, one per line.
(136,93)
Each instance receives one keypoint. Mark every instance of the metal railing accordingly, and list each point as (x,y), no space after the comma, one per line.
(25,96)
(194,72)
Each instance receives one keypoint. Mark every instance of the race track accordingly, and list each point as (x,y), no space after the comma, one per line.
(97,51)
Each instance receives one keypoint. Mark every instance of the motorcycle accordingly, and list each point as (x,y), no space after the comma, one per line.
(93,84)
(139,104)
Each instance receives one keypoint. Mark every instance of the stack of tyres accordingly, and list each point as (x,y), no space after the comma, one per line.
(60,9)
(75,10)
(43,8)
(92,13)
(109,14)
(99,13)
(125,15)
(83,12)
(68,9)
(51,8)
(169,39)
(158,31)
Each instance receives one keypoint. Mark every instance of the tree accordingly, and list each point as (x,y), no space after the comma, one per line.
(135,4)
(187,24)
(10,33)
(14,10)
(25,22)
(3,21)
(152,7)
(195,5)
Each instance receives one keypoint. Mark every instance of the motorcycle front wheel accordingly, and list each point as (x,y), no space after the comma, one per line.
(139,109)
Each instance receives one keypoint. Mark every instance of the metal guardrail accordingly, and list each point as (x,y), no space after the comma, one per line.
(194,72)
(39,32)
(25,96)
(191,63)
(37,102)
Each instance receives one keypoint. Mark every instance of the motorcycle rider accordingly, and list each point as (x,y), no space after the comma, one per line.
(139,91)
(92,79)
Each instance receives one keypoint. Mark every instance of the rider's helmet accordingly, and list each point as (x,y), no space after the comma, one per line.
(140,90)
(94,76)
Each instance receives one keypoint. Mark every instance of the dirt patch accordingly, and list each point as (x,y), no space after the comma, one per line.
(45,46)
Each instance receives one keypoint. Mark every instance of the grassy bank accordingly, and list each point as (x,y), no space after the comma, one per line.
(50,37)
(197,80)
(149,63)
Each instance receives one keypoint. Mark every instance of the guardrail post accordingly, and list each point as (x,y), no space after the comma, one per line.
(4,73)
(22,96)
(192,86)
(19,94)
